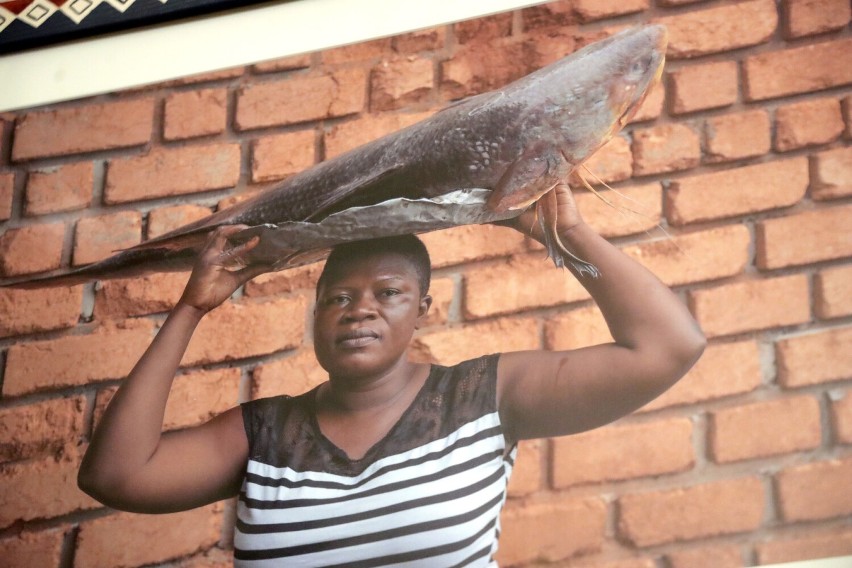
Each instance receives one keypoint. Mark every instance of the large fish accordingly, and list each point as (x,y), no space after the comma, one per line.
(518,142)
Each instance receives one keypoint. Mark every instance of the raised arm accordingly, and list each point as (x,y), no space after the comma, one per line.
(656,341)
(129,464)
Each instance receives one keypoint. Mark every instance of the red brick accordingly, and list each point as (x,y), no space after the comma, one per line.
(361,51)
(766,428)
(65,188)
(538,532)
(427,39)
(442,291)
(289,63)
(485,29)
(31,311)
(195,113)
(833,292)
(699,87)
(815,491)
(590,10)
(847,113)
(280,156)
(739,191)
(633,209)
(670,3)
(807,123)
(164,172)
(211,558)
(804,238)
(798,70)
(527,472)
(219,75)
(33,549)
(255,328)
(450,346)
(107,353)
(722,28)
(613,162)
(348,135)
(591,562)
(557,14)
(652,106)
(7,194)
(810,545)
(725,369)
(400,82)
(811,17)
(841,417)
(35,429)
(665,148)
(736,136)
(832,174)
(96,238)
(761,304)
(524,282)
(580,327)
(616,453)
(477,68)
(88,128)
(301,98)
(139,295)
(165,219)
(18,245)
(471,243)
(293,375)
(696,257)
(285,281)
(41,489)
(126,539)
(687,513)
(713,556)
(796,356)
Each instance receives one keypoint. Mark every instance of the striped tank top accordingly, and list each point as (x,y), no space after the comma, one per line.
(429,494)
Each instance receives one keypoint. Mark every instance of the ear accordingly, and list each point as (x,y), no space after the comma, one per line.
(423,310)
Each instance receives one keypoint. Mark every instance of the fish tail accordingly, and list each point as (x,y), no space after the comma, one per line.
(556,249)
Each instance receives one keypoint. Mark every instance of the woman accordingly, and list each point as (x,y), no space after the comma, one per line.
(389,461)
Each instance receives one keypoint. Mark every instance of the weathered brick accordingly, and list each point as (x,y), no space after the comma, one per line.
(616,453)
(557,14)
(721,28)
(41,309)
(580,327)
(804,238)
(127,539)
(631,210)
(760,304)
(139,295)
(809,545)
(65,188)
(41,489)
(477,68)
(164,172)
(208,77)
(665,148)
(831,176)
(796,355)
(591,561)
(798,70)
(400,82)
(88,128)
(7,194)
(736,136)
(34,248)
(765,428)
(471,243)
(527,471)
(485,29)
(450,346)
(165,219)
(523,282)
(725,369)
(699,87)
(811,17)
(33,548)
(280,156)
(361,51)
(712,556)
(537,532)
(427,39)
(652,106)
(807,123)
(613,162)
(442,291)
(96,238)
(841,417)
(815,491)
(301,98)
(695,257)
(107,353)
(590,10)
(288,63)
(210,558)
(739,191)
(293,375)
(255,328)
(687,513)
(846,105)
(194,398)
(286,281)
(833,292)
(348,135)
(34,429)
(195,113)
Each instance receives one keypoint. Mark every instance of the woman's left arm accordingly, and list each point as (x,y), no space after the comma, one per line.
(656,341)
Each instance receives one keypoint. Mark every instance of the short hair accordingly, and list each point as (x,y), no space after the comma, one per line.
(408,246)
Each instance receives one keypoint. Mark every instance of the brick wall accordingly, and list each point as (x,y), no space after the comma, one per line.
(743,155)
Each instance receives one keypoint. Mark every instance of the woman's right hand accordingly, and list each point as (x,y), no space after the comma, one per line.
(214,278)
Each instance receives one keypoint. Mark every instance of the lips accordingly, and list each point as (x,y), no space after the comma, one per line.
(357,338)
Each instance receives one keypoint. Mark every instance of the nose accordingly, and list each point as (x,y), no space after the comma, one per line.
(361,308)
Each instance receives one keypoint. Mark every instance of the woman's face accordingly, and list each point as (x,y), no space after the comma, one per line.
(366,314)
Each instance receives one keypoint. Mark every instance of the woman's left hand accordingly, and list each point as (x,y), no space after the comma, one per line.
(567,215)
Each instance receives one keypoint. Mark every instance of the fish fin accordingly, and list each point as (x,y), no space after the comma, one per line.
(339,197)
(546,211)
(534,173)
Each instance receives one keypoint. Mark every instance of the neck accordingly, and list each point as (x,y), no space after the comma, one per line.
(371,393)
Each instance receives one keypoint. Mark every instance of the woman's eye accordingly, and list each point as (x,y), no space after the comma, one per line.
(337,300)
(387,293)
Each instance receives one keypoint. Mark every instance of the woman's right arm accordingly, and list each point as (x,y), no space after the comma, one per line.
(132,466)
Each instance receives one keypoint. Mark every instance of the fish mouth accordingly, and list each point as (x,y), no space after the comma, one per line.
(356,338)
